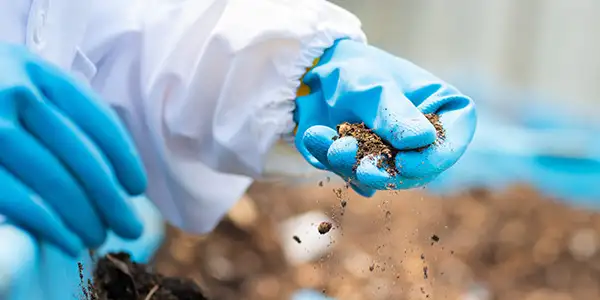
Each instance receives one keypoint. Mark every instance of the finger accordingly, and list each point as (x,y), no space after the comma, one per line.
(86,162)
(399,122)
(342,156)
(31,213)
(301,147)
(22,154)
(371,175)
(309,112)
(317,140)
(362,190)
(459,126)
(379,102)
(97,120)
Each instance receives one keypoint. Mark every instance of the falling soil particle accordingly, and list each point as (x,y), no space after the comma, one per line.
(324,227)
(425,272)
(320,183)
(89,292)
(343,203)
(422,256)
(372,267)
(371,145)
(297,239)
(435,238)
(118,278)
(338,193)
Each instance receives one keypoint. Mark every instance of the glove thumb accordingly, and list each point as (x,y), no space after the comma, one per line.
(385,109)
(400,123)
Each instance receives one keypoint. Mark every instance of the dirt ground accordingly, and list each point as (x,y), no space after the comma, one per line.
(397,245)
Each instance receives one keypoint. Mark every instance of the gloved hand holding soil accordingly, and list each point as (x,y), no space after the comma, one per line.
(390,105)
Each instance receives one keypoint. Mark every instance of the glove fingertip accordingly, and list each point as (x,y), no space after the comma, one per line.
(342,155)
(137,183)
(317,140)
(313,161)
(127,224)
(133,229)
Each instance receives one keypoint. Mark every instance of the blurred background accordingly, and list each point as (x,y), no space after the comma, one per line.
(541,45)
(516,218)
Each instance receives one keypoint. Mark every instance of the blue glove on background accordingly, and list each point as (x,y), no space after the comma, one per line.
(33,269)
(355,83)
(66,164)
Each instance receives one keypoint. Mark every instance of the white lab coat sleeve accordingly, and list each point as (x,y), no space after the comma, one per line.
(219,86)
(208,87)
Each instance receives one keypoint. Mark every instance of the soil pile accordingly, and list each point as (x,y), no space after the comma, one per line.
(117,278)
(372,145)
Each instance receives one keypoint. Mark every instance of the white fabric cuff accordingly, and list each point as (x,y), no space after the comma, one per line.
(330,24)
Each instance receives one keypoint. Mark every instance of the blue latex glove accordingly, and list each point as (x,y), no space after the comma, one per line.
(31,269)
(66,165)
(357,83)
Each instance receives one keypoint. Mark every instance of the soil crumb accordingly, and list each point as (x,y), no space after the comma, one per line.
(118,278)
(371,145)
(434,119)
(297,239)
(435,238)
(325,227)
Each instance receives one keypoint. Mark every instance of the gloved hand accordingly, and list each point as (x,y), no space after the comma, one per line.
(353,82)
(33,269)
(66,164)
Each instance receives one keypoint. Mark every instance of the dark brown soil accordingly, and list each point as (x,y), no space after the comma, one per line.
(118,278)
(371,145)
(437,124)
